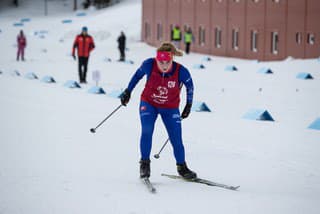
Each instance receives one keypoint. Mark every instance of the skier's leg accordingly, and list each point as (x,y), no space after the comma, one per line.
(187,48)
(148,116)
(22,54)
(85,65)
(80,64)
(172,122)
(18,53)
(122,54)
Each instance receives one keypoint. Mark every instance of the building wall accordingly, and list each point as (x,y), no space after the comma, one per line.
(253,29)
(160,22)
(147,21)
(236,25)
(296,38)
(202,26)
(275,29)
(312,28)
(255,33)
(219,29)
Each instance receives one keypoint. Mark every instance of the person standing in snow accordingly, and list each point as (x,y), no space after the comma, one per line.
(122,46)
(188,39)
(21,44)
(161,96)
(176,36)
(84,44)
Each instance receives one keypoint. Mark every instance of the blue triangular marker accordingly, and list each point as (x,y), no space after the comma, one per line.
(315,124)
(304,76)
(72,84)
(199,66)
(265,71)
(115,94)
(31,76)
(96,90)
(231,68)
(258,114)
(48,79)
(206,59)
(200,107)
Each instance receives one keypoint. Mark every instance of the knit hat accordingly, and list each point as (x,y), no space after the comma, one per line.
(169,47)
(84,29)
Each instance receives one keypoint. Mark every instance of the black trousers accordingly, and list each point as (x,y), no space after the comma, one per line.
(188,47)
(83,67)
(122,54)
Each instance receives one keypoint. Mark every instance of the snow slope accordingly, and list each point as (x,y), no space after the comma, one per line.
(51,163)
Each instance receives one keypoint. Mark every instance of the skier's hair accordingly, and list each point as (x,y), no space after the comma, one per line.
(168,46)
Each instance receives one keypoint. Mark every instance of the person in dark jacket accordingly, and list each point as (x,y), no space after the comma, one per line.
(122,46)
(21,44)
(84,44)
(161,96)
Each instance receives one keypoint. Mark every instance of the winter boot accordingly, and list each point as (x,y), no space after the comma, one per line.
(185,172)
(144,168)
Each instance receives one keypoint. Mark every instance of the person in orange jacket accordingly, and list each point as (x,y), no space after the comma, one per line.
(84,44)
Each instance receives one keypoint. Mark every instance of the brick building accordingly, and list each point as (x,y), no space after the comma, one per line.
(252,29)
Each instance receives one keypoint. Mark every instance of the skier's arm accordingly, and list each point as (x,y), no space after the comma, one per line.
(91,45)
(186,79)
(75,45)
(145,69)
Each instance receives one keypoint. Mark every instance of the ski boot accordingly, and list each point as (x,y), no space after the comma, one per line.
(144,168)
(185,172)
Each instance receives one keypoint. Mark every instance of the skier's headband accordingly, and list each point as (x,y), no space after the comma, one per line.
(164,56)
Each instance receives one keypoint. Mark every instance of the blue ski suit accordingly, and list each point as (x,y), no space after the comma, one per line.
(170,116)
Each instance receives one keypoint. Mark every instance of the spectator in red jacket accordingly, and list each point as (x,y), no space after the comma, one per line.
(84,44)
(22,43)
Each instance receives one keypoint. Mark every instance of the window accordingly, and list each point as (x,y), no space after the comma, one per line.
(147,31)
(274,43)
(217,35)
(311,39)
(299,38)
(202,36)
(159,32)
(254,41)
(235,39)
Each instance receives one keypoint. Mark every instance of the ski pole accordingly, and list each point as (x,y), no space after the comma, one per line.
(93,130)
(157,156)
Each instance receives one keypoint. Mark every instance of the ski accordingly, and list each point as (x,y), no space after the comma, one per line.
(149,185)
(202,181)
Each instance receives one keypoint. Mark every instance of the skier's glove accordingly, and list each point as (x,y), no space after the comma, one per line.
(186,110)
(74,56)
(125,97)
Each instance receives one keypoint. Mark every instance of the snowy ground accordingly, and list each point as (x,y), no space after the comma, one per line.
(51,163)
